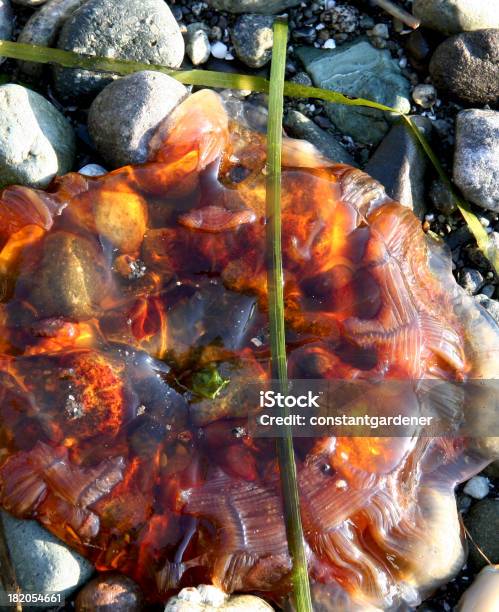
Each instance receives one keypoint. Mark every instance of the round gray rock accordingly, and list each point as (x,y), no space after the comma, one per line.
(476,157)
(43,27)
(267,7)
(6,22)
(466,66)
(41,561)
(252,38)
(453,16)
(125,114)
(197,43)
(482,522)
(36,140)
(139,30)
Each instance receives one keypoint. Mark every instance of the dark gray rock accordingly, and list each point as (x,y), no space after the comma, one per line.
(482,522)
(358,69)
(466,67)
(197,43)
(43,27)
(300,126)
(454,16)
(41,561)
(139,30)
(252,38)
(6,22)
(266,7)
(442,198)
(36,140)
(400,165)
(476,157)
(126,113)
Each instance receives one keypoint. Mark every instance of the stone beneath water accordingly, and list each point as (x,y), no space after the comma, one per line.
(125,114)
(301,126)
(252,37)
(36,140)
(42,562)
(139,30)
(476,157)
(400,165)
(358,69)
(110,592)
(466,67)
(207,598)
(267,7)
(453,16)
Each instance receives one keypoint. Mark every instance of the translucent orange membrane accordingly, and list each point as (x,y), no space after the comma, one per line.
(119,294)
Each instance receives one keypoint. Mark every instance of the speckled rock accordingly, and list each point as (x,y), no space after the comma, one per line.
(43,27)
(400,165)
(300,126)
(266,7)
(207,598)
(482,522)
(476,157)
(358,69)
(453,16)
(49,149)
(197,43)
(140,30)
(123,117)
(252,38)
(110,592)
(6,17)
(42,562)
(466,67)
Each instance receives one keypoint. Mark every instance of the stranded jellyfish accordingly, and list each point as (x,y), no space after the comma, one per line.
(134,315)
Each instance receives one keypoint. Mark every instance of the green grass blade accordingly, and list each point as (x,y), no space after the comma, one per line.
(208,78)
(285,449)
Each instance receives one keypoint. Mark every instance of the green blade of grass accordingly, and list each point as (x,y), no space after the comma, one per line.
(285,448)
(208,78)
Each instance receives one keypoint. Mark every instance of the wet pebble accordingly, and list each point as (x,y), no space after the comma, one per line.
(476,157)
(207,598)
(482,521)
(123,117)
(110,592)
(300,126)
(139,30)
(219,50)
(477,487)
(43,27)
(41,561)
(197,43)
(453,16)
(442,198)
(92,170)
(48,151)
(466,67)
(252,38)
(425,95)
(6,17)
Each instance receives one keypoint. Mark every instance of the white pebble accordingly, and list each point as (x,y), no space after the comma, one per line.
(330,43)
(219,50)
(212,596)
(477,487)
(92,170)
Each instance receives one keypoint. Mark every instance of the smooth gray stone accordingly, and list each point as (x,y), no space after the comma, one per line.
(466,67)
(139,30)
(197,43)
(300,126)
(124,116)
(400,165)
(43,27)
(453,16)
(358,69)
(41,561)
(36,140)
(266,7)
(476,157)
(6,22)
(482,522)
